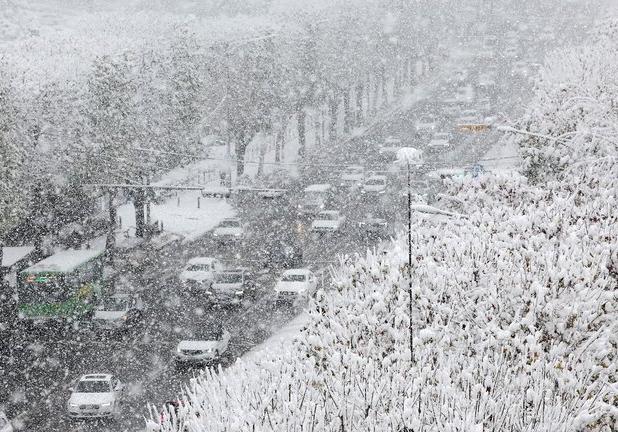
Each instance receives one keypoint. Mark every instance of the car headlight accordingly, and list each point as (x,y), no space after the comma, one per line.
(239,293)
(238,234)
(73,405)
(215,234)
(106,404)
(178,350)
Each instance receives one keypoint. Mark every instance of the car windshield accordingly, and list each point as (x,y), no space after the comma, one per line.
(375,182)
(294,278)
(229,224)
(198,267)
(441,136)
(115,304)
(426,120)
(210,333)
(328,216)
(228,278)
(93,387)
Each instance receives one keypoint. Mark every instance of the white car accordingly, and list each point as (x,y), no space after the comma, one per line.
(353,176)
(229,287)
(469,117)
(328,221)
(94,396)
(118,312)
(199,271)
(5,424)
(375,184)
(425,124)
(295,286)
(229,229)
(206,348)
(390,146)
(439,142)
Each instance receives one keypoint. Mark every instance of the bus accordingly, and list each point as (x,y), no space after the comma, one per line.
(62,288)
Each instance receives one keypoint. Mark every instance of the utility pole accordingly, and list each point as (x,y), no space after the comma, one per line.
(410,265)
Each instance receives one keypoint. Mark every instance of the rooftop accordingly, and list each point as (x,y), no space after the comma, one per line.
(65,261)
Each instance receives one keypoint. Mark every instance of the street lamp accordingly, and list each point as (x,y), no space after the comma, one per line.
(410,157)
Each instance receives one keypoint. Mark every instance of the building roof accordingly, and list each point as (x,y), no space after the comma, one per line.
(322,187)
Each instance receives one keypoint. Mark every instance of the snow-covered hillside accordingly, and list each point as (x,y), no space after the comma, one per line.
(514,309)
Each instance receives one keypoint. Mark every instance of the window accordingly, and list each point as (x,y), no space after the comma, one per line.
(375,182)
(38,289)
(294,278)
(199,267)
(329,216)
(93,386)
(228,278)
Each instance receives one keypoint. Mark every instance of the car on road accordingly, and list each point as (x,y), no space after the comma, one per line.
(375,184)
(230,229)
(5,424)
(390,145)
(295,286)
(352,177)
(315,198)
(469,117)
(120,311)
(205,348)
(372,226)
(425,124)
(199,272)
(230,287)
(95,396)
(441,141)
(328,221)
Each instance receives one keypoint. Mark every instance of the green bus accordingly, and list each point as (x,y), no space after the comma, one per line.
(62,287)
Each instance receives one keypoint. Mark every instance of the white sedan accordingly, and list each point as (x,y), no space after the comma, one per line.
(229,229)
(199,271)
(328,221)
(439,142)
(94,396)
(426,124)
(376,184)
(118,312)
(295,286)
(353,176)
(204,349)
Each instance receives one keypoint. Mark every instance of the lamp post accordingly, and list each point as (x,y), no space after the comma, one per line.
(408,157)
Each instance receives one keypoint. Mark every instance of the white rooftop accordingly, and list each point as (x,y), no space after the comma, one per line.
(65,261)
(202,260)
(300,271)
(11,255)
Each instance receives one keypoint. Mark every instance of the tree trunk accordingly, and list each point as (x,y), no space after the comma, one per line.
(332,128)
(278,147)
(138,204)
(347,115)
(376,94)
(110,242)
(300,124)
(359,102)
(383,86)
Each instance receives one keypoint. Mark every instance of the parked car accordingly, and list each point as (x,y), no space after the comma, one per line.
(441,141)
(425,125)
(199,272)
(230,229)
(5,424)
(118,312)
(230,287)
(328,221)
(204,349)
(95,396)
(315,198)
(295,286)
(375,184)
(352,177)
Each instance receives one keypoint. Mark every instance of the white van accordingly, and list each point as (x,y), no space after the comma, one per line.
(316,198)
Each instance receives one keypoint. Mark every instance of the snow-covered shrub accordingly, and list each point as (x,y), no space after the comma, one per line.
(514,311)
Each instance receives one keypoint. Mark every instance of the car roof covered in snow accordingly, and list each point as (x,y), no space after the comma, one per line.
(96,377)
(202,260)
(321,187)
(299,271)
